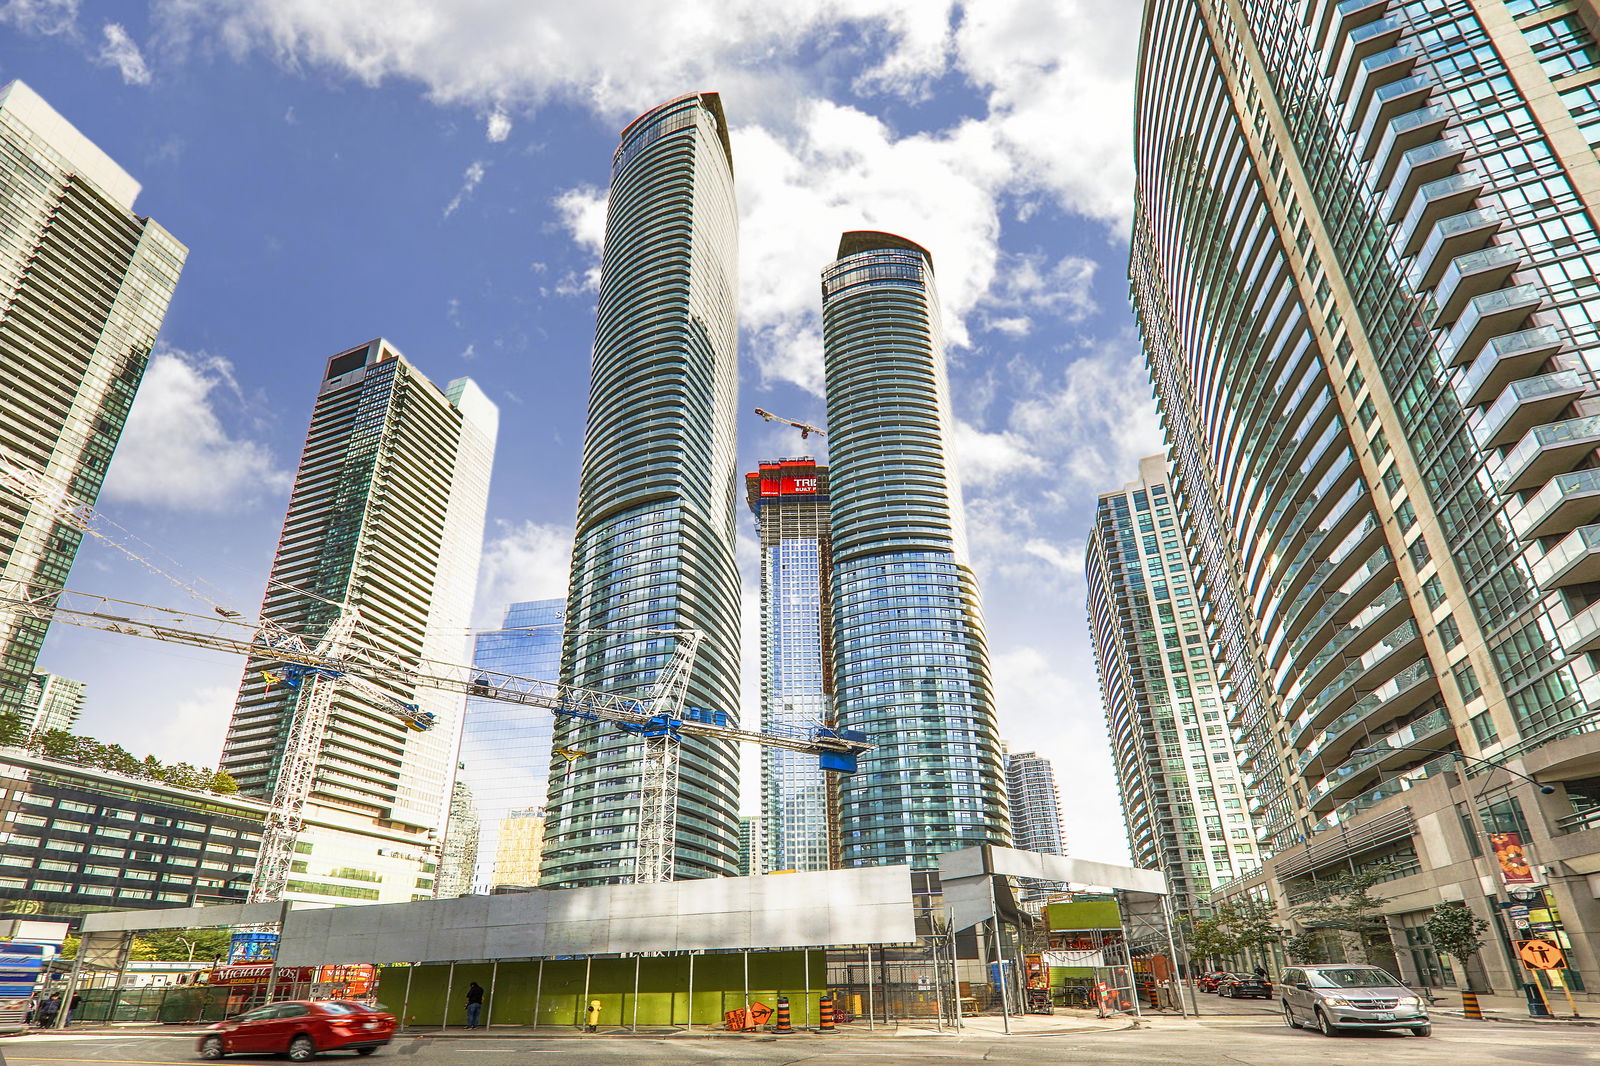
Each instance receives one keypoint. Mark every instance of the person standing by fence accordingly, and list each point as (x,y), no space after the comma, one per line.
(474,1004)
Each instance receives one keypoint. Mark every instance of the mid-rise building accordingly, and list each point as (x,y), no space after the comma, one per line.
(1167,711)
(505,747)
(1361,265)
(751,847)
(84,285)
(910,659)
(789,498)
(656,498)
(52,702)
(79,839)
(386,516)
(518,849)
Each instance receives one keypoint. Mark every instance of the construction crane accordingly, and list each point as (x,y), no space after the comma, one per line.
(343,655)
(805,428)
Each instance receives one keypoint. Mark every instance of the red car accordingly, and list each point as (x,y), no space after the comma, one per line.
(1208,981)
(300,1028)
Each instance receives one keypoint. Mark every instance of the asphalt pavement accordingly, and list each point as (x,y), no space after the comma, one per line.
(1226,1038)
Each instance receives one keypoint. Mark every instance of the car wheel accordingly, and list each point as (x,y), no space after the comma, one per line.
(301,1049)
(1324,1026)
(211,1048)
(1422,1030)
(1288,1017)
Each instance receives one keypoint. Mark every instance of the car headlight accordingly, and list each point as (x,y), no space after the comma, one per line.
(1339,1001)
(1409,1001)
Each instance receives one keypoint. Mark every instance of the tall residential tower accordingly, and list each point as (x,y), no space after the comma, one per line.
(1182,797)
(910,661)
(1364,263)
(386,515)
(657,497)
(790,500)
(1035,803)
(84,285)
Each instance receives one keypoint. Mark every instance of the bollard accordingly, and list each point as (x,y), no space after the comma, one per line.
(783,1025)
(594,1015)
(1470,1007)
(825,1014)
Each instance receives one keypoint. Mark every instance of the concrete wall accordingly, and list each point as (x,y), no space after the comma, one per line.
(663,997)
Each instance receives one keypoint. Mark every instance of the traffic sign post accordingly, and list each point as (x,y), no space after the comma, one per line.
(1545,955)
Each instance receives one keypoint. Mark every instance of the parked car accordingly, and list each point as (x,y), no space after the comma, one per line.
(1208,981)
(1335,998)
(1244,986)
(299,1028)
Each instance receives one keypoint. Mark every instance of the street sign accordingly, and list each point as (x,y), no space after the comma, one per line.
(1540,954)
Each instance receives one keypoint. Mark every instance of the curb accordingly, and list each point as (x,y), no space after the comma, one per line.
(1487,1017)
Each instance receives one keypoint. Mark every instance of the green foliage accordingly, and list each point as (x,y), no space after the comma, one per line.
(62,746)
(1208,938)
(1308,946)
(1344,903)
(166,945)
(1456,932)
(1232,928)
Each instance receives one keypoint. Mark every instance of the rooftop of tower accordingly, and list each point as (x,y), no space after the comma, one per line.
(712,102)
(82,155)
(854,241)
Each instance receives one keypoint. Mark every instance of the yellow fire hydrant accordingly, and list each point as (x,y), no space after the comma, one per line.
(594,1015)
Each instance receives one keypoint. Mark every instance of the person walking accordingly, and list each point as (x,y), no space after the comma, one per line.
(474,1004)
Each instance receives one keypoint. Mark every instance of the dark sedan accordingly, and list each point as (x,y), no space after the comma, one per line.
(1244,986)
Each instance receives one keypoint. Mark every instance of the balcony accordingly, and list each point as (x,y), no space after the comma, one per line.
(1389,103)
(1406,132)
(1490,315)
(1452,237)
(1370,619)
(1582,633)
(1340,63)
(1548,450)
(1376,71)
(1504,359)
(1392,787)
(1526,403)
(1345,689)
(1401,694)
(1419,166)
(1567,502)
(1574,561)
(1470,276)
(1394,754)
(1339,19)
(1434,201)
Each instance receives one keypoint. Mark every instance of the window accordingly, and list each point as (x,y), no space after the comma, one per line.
(1467,681)
(1483,729)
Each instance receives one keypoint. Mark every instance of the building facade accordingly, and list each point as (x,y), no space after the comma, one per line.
(789,498)
(79,839)
(518,850)
(910,658)
(656,498)
(386,515)
(752,846)
(1363,268)
(1167,713)
(505,747)
(1035,803)
(458,855)
(84,285)
(52,702)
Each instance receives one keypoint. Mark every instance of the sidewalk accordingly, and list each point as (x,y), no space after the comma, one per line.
(1515,1009)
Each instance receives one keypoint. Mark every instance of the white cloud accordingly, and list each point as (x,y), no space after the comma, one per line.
(498,126)
(118,50)
(470,180)
(582,213)
(176,451)
(193,728)
(521,562)
(47,17)
(987,459)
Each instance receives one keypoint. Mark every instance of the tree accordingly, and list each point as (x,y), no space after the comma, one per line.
(1345,904)
(163,945)
(1458,933)
(1209,937)
(1254,924)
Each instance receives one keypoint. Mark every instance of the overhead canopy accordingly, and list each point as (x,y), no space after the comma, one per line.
(972,878)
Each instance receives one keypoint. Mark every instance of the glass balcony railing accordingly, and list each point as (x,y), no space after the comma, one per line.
(1488,306)
(1387,97)
(1470,274)
(1407,736)
(1352,629)
(1411,163)
(1455,232)
(1340,552)
(1585,540)
(1407,679)
(1335,600)
(1444,195)
(1402,635)
(1582,632)
(1524,343)
(1392,787)
(1572,433)
(1519,394)
(1538,511)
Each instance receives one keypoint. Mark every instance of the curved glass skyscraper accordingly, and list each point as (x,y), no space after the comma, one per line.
(656,503)
(911,665)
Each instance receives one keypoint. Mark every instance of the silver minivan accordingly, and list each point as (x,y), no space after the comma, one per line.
(1337,997)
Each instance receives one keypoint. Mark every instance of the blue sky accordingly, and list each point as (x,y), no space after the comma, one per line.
(434,173)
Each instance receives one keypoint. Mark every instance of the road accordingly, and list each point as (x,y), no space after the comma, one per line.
(1235,1040)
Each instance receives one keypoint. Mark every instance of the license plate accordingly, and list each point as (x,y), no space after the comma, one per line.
(1384,1016)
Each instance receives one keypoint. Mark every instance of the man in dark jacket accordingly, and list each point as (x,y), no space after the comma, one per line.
(474,1004)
